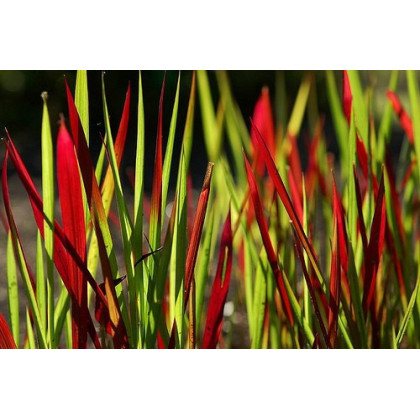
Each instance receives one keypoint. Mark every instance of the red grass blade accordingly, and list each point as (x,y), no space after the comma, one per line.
(271,254)
(296,197)
(402,115)
(375,248)
(61,242)
(197,230)
(263,119)
(282,192)
(295,165)
(94,200)
(70,195)
(360,219)
(347,96)
(394,195)
(6,337)
(338,211)
(220,289)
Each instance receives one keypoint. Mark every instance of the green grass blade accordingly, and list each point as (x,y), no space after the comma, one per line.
(126,230)
(338,118)
(48,200)
(359,105)
(205,255)
(81,100)
(61,310)
(407,316)
(41,292)
(31,336)
(260,298)
(12,290)
(167,163)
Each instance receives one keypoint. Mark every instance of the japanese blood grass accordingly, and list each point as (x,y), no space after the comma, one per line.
(320,252)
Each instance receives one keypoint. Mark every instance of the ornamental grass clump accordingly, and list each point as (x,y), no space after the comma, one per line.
(287,245)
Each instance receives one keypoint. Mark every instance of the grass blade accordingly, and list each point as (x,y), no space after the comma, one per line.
(72,213)
(220,289)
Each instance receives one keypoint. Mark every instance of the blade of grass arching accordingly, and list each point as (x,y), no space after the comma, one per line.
(23,265)
(106,249)
(259,304)
(12,289)
(220,288)
(6,337)
(338,118)
(359,104)
(407,316)
(62,245)
(281,190)
(41,292)
(385,126)
(115,154)
(167,163)
(72,213)
(48,199)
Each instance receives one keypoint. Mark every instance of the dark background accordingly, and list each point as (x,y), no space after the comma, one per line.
(21,107)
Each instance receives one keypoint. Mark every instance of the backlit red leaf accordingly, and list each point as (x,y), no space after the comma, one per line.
(220,289)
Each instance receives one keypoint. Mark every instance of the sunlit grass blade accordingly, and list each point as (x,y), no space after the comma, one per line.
(48,199)
(126,226)
(106,249)
(281,190)
(12,289)
(220,289)
(167,163)
(62,244)
(41,290)
(24,268)
(272,258)
(72,213)
(81,99)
